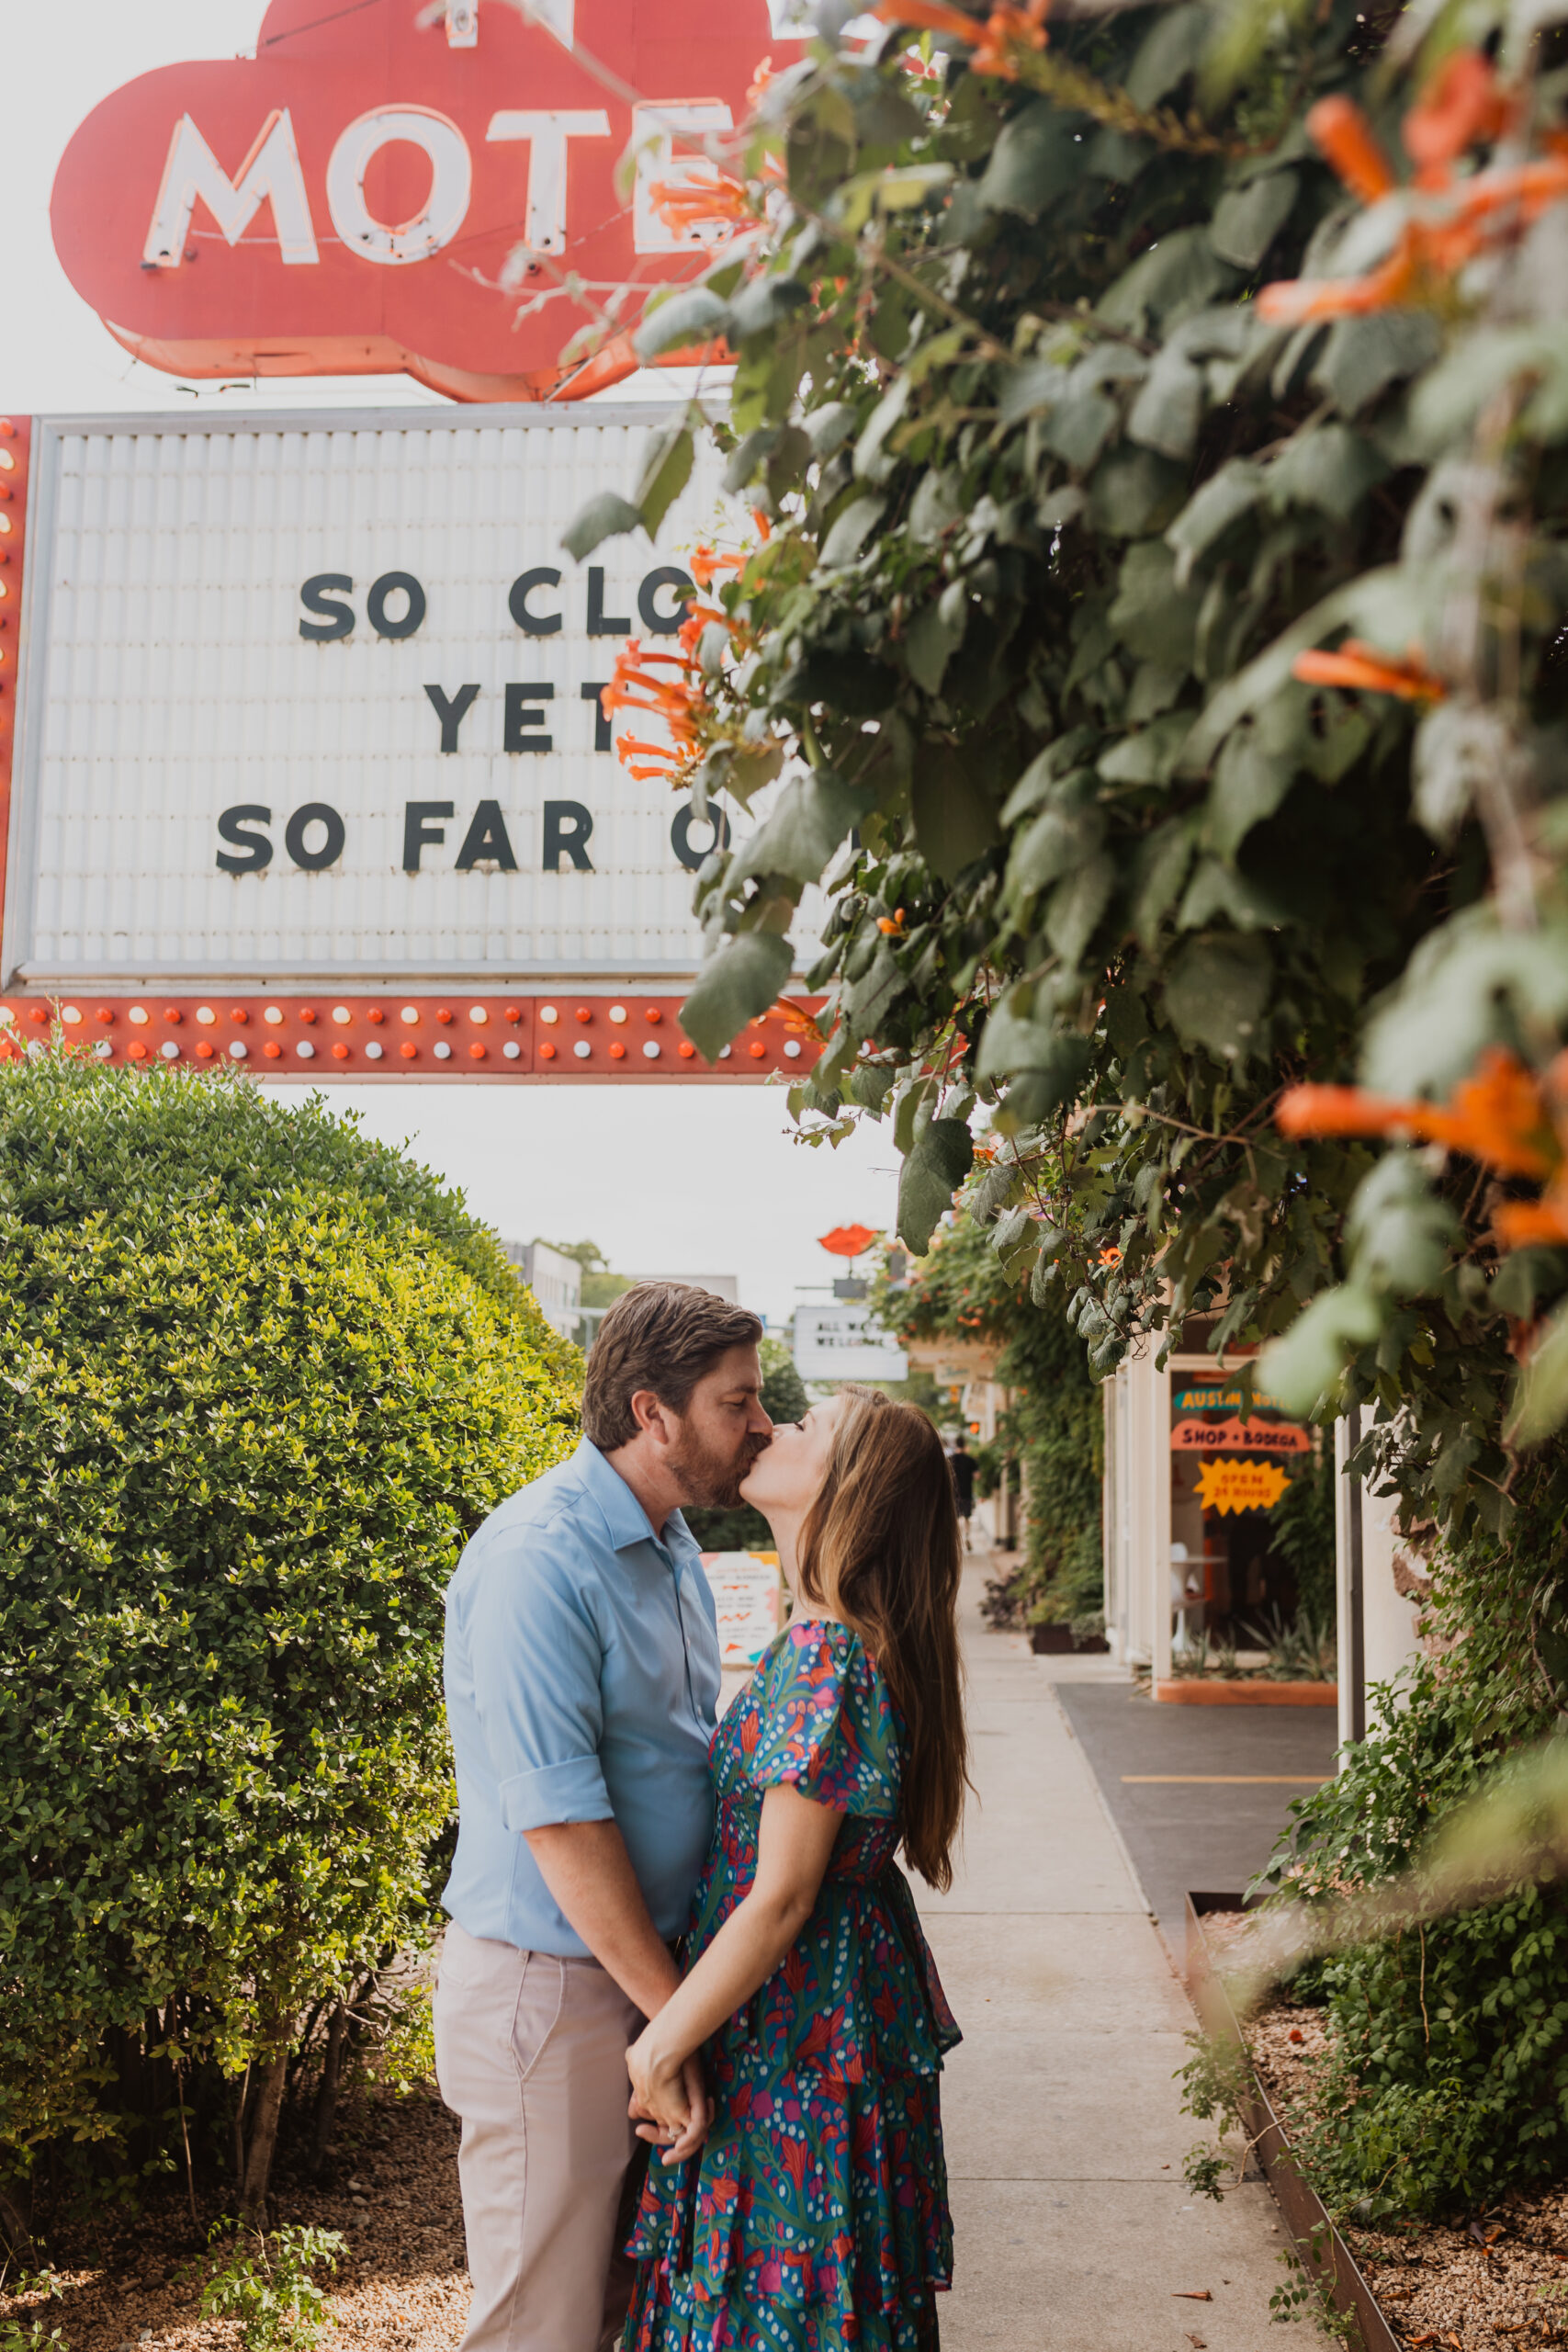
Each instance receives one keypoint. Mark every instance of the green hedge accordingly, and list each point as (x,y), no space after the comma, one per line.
(1447,2077)
(259,1378)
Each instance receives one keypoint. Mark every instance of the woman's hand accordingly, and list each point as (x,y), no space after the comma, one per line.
(669,2101)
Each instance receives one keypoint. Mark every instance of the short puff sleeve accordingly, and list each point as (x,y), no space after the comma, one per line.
(827,1723)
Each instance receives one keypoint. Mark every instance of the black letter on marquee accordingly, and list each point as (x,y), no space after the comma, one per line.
(522,714)
(669,575)
(339,618)
(314,812)
(256,846)
(566,827)
(452,713)
(603,733)
(535,624)
(376,604)
(486,839)
(600,622)
(680,836)
(417,834)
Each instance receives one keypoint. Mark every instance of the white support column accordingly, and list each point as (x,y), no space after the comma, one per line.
(1110,1518)
(1378,1622)
(1137,1513)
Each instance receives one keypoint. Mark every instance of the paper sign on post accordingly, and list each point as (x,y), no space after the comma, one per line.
(747,1595)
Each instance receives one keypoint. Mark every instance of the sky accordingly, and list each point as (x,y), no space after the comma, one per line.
(694,1179)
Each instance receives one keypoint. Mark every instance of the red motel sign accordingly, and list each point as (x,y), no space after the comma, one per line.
(352,199)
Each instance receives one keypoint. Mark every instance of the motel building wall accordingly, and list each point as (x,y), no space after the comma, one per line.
(1174,1567)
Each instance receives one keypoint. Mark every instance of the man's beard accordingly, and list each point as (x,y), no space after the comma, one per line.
(711,1480)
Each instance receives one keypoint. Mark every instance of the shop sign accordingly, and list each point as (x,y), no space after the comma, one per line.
(1222,1401)
(383,189)
(842,1343)
(1234,1437)
(1226,1486)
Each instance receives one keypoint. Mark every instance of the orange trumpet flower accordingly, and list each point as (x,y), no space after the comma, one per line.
(706,563)
(929,16)
(1498,1116)
(1362,666)
(679,702)
(649,750)
(686,204)
(1462,104)
(1523,192)
(1009,31)
(997,41)
(1518,1224)
(1295,302)
(1347,138)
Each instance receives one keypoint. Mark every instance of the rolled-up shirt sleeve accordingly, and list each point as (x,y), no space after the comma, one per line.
(536,1658)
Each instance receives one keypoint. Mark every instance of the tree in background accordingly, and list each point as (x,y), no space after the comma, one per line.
(600,1287)
(263,1379)
(1052,1431)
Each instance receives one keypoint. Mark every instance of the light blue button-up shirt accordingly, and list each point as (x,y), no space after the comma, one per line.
(582,1679)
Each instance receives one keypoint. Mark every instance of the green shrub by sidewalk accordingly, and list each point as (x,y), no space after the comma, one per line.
(259,1378)
(1447,2077)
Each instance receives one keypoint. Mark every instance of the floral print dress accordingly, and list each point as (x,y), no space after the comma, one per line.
(815,2216)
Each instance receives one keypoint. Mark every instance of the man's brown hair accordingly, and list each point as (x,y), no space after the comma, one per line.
(662,1337)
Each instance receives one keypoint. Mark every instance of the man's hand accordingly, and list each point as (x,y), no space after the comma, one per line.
(669,2101)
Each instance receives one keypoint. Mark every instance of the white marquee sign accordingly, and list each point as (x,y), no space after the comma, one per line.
(306,698)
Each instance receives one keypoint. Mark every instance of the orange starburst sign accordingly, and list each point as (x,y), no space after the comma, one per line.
(1226,1486)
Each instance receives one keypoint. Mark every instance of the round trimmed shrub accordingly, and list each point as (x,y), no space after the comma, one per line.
(259,1380)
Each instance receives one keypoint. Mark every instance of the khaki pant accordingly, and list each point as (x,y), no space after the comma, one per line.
(530,2051)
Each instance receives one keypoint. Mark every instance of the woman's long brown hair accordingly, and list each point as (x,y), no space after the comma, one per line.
(880,1549)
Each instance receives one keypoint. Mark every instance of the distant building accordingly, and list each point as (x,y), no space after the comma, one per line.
(556,1281)
(722,1286)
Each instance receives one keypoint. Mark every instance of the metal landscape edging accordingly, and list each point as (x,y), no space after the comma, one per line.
(1322,2251)
(1194,1691)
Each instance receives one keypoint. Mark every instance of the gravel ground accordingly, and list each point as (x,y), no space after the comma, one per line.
(1496,2283)
(394,2196)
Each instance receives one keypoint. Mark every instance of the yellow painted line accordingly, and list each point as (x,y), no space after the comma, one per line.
(1232,1780)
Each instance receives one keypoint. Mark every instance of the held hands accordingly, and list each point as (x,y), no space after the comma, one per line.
(669,2102)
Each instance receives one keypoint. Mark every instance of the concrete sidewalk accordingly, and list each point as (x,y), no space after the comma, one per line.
(1065,2138)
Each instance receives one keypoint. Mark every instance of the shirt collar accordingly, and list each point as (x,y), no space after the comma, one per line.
(625,1517)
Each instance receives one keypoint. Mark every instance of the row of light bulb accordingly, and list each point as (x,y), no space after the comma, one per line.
(306,1050)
